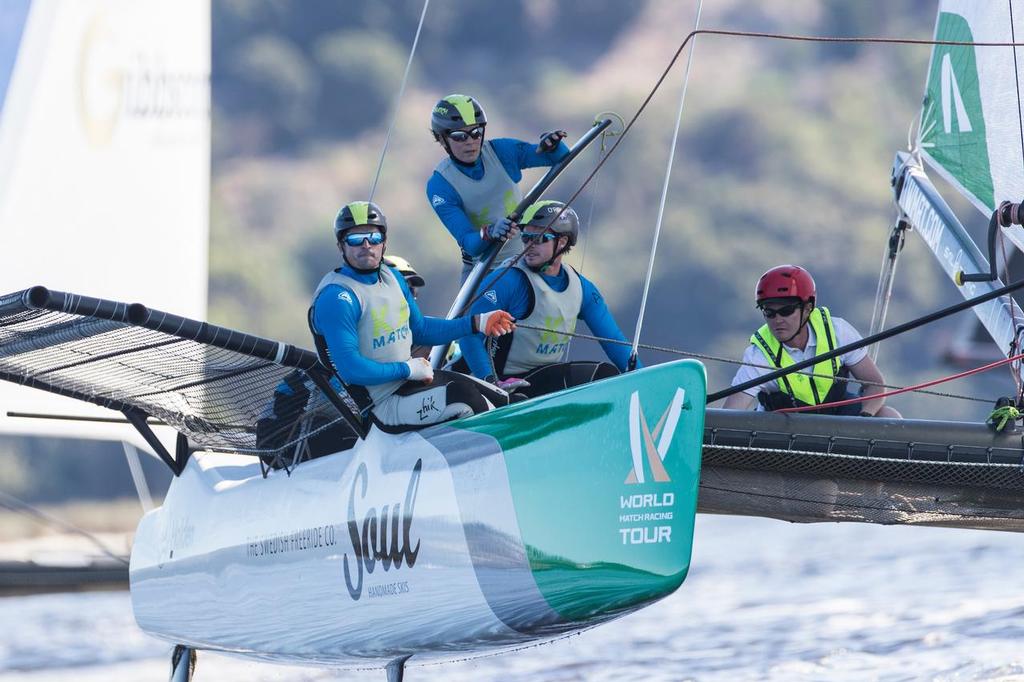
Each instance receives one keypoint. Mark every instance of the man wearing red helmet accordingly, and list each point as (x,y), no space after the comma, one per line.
(795,330)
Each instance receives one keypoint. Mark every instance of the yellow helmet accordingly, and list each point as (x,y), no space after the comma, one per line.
(412,278)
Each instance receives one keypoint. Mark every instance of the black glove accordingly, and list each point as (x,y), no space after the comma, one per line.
(549,141)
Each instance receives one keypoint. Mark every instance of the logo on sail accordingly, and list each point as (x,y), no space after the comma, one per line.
(953,132)
(651,445)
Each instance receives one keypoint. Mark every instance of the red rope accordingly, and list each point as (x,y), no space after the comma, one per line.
(905,389)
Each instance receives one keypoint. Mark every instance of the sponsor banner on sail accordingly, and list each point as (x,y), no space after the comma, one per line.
(970,119)
(104,160)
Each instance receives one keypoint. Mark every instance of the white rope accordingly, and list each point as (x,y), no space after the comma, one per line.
(398,100)
(664,188)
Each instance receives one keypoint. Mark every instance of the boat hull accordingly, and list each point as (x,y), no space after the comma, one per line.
(522,524)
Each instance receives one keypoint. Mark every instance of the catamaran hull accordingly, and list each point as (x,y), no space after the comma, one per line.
(490,533)
(810,468)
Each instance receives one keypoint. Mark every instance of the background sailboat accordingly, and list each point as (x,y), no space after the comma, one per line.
(104,165)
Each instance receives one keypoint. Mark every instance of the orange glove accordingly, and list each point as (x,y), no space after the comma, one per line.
(494,323)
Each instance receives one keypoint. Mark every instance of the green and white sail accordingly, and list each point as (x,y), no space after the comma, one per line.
(970,129)
(970,134)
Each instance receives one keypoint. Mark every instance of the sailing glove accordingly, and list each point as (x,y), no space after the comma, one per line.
(494,323)
(549,141)
(503,229)
(420,370)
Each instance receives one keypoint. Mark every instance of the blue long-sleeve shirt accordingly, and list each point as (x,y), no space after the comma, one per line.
(515,155)
(512,292)
(336,318)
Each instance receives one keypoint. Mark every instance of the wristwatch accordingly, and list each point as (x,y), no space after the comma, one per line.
(865,413)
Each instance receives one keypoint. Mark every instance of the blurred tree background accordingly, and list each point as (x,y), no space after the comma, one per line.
(784,156)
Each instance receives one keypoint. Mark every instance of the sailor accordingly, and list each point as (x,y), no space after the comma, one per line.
(406,270)
(365,320)
(796,329)
(547,296)
(476,187)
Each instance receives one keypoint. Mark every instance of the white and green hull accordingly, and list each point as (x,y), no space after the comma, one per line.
(522,524)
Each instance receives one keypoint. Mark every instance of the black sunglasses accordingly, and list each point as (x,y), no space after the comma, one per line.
(784,311)
(464,135)
(531,237)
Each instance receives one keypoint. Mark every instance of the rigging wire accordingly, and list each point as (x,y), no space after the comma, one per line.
(20,506)
(732,361)
(664,195)
(398,100)
(1014,367)
(735,34)
(862,399)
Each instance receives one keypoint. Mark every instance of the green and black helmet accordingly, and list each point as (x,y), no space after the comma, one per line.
(542,213)
(454,112)
(359,213)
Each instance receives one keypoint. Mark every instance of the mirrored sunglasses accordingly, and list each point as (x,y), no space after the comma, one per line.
(357,238)
(531,237)
(464,135)
(784,311)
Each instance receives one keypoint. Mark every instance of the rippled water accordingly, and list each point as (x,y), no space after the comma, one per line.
(764,601)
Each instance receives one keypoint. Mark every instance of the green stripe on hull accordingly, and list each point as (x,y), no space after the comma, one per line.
(604,479)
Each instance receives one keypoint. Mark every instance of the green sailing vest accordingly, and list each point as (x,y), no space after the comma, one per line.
(488,199)
(383,327)
(555,313)
(804,389)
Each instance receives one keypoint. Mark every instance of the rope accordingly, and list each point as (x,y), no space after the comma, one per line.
(737,34)
(664,195)
(14,504)
(1014,368)
(1001,416)
(862,399)
(733,361)
(401,91)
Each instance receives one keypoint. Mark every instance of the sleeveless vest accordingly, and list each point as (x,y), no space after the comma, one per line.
(556,313)
(802,389)
(383,327)
(488,199)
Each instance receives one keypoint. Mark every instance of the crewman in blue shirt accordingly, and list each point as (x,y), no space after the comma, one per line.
(477,186)
(546,297)
(365,321)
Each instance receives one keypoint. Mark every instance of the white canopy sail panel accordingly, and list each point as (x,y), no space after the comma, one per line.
(104,163)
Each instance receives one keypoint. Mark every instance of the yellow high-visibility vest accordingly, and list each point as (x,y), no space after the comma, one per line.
(802,388)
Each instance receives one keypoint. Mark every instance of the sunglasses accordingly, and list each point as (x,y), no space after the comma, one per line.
(537,237)
(464,135)
(784,311)
(357,238)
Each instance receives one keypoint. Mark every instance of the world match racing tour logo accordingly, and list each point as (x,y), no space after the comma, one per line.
(651,446)
(383,536)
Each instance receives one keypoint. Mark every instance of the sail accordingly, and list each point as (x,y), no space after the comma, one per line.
(971,131)
(104,161)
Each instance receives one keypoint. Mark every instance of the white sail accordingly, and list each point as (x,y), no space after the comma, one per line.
(104,164)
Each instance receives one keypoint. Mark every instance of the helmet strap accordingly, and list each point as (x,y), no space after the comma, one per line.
(803,323)
(448,148)
(364,271)
(554,256)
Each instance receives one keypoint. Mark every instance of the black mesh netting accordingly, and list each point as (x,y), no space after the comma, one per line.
(221,388)
(799,477)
